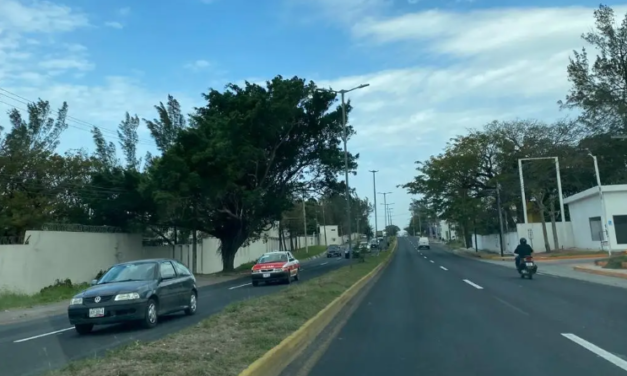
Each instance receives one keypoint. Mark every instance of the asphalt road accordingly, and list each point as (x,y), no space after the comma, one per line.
(32,347)
(434,313)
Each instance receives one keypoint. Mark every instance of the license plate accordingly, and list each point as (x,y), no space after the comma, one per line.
(530,264)
(266,275)
(96,312)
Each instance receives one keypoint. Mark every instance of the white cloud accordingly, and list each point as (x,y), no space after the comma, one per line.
(471,68)
(114,25)
(197,65)
(34,63)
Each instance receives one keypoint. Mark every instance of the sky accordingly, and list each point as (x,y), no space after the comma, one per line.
(435,69)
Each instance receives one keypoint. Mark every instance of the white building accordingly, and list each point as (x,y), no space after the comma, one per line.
(329,235)
(589,221)
(446,230)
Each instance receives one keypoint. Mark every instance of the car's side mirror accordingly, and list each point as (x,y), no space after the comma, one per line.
(94,282)
(292,259)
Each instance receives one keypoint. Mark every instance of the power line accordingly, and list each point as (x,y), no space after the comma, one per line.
(78,124)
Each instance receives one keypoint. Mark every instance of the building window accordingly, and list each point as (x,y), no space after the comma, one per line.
(596,229)
(332,230)
(620,227)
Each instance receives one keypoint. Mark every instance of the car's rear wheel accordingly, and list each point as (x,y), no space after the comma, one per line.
(193,304)
(297,276)
(151,317)
(84,328)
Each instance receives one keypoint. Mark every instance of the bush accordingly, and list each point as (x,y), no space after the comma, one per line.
(615,262)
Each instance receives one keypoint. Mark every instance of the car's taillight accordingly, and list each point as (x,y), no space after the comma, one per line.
(528,258)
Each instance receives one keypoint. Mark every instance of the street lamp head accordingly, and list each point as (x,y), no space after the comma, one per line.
(362,86)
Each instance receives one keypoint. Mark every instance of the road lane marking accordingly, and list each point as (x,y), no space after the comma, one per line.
(443,268)
(433,262)
(324,263)
(246,284)
(473,284)
(618,362)
(43,335)
(510,305)
(424,256)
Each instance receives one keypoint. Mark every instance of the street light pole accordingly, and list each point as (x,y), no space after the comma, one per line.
(374,192)
(305,225)
(345,139)
(606,232)
(385,206)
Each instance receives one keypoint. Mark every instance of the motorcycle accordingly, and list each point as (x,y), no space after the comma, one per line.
(527,268)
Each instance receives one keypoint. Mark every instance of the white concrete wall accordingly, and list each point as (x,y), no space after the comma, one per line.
(79,256)
(492,242)
(535,237)
(51,255)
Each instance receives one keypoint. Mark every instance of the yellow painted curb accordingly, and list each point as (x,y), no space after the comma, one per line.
(274,361)
(600,272)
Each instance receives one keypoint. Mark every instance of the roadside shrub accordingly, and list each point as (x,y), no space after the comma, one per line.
(615,262)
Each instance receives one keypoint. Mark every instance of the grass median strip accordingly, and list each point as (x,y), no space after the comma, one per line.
(226,343)
(61,290)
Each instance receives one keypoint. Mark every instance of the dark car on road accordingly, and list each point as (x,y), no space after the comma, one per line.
(334,251)
(356,252)
(137,291)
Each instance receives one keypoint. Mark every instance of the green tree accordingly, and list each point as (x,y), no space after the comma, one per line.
(392,230)
(599,89)
(249,151)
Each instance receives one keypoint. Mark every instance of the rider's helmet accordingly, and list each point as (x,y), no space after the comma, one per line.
(523,241)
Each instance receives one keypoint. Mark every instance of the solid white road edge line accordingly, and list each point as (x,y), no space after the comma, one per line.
(443,268)
(473,284)
(324,263)
(246,284)
(618,362)
(42,335)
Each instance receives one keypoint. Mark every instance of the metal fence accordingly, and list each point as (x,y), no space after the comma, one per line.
(6,240)
(74,227)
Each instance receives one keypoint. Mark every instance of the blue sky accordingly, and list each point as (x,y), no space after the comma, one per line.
(435,68)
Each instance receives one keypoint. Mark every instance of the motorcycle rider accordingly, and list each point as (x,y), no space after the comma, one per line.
(522,250)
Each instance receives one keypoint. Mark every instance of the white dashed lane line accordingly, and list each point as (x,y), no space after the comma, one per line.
(473,284)
(236,287)
(618,362)
(433,262)
(443,268)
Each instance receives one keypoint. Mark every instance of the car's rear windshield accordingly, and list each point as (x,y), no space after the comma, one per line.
(130,272)
(273,257)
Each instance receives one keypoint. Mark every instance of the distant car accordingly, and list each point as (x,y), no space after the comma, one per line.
(138,291)
(356,252)
(334,251)
(423,242)
(276,267)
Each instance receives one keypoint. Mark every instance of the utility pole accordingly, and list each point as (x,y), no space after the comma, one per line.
(498,203)
(324,225)
(374,193)
(305,225)
(385,206)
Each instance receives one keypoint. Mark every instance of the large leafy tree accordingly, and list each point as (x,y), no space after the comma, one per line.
(248,152)
(599,88)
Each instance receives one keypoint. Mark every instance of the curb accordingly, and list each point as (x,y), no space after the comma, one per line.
(274,361)
(600,272)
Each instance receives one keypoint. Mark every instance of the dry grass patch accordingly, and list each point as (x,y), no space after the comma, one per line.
(226,343)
